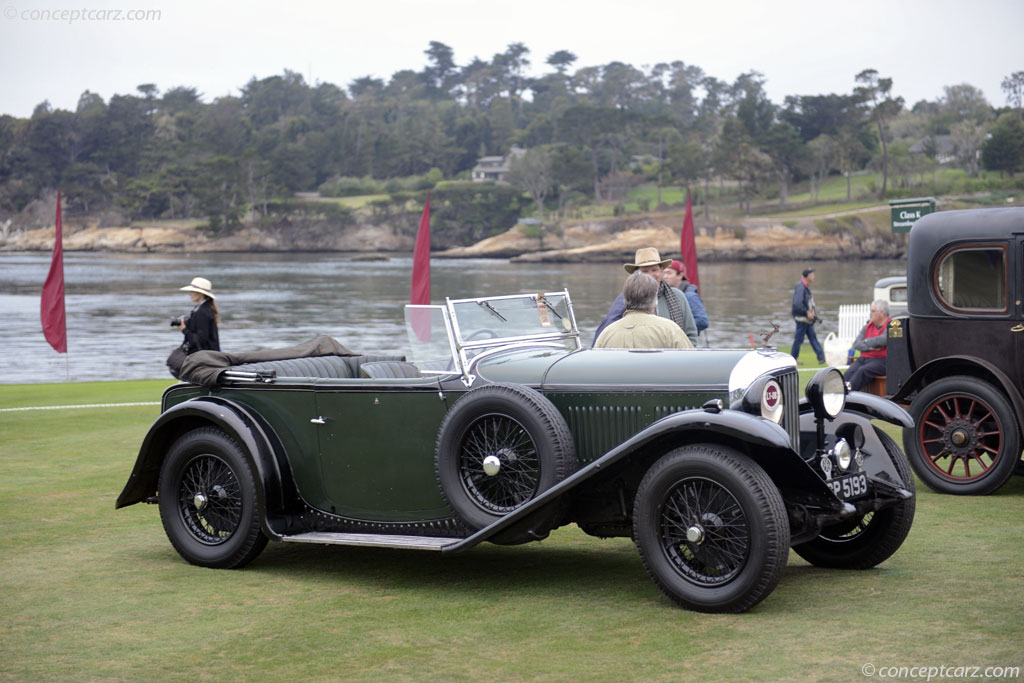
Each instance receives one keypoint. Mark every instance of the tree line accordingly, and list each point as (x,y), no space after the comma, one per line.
(590,133)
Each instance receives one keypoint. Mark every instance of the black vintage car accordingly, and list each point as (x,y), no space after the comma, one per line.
(958,354)
(501,427)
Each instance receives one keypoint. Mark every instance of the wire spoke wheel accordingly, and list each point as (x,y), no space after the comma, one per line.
(498,447)
(711,528)
(509,446)
(704,531)
(210,499)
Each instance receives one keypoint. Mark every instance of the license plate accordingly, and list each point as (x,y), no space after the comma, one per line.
(853,486)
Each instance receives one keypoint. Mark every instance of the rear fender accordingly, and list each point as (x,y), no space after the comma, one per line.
(275,488)
(963,365)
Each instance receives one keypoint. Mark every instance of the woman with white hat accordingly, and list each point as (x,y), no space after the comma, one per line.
(200,326)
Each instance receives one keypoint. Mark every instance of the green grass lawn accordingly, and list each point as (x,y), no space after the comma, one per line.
(90,593)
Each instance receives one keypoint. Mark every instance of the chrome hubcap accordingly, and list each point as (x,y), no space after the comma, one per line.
(695,534)
(492,465)
(199,501)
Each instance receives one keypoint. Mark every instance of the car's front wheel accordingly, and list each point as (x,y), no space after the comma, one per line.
(868,540)
(711,528)
(208,501)
(965,437)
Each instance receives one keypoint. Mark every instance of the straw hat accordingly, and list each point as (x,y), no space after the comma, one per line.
(648,256)
(201,285)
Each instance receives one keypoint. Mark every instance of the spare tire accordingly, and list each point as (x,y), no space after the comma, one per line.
(499,447)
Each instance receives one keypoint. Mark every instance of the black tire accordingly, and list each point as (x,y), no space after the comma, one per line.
(871,539)
(208,501)
(711,528)
(532,443)
(965,439)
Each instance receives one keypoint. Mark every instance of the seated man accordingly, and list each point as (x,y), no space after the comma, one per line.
(871,343)
(639,328)
(671,303)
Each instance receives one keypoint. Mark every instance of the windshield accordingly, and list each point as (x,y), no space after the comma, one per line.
(447,338)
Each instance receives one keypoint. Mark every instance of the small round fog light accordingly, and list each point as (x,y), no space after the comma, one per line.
(843,455)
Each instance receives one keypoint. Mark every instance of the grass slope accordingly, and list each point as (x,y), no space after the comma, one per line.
(87,592)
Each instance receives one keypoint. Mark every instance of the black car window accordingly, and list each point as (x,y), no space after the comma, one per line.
(973,278)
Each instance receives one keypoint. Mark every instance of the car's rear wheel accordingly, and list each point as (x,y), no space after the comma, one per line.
(497,449)
(870,539)
(208,501)
(711,528)
(965,438)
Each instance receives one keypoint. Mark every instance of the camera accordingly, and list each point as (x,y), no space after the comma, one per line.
(177,320)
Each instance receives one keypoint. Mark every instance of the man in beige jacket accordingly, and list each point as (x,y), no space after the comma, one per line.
(639,328)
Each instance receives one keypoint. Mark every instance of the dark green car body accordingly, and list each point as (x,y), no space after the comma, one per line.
(377,451)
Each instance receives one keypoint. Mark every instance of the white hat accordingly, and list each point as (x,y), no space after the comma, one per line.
(201,285)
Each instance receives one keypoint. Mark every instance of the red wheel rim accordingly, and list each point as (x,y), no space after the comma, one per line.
(961,437)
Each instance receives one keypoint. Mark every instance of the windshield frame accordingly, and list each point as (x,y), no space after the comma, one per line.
(465,353)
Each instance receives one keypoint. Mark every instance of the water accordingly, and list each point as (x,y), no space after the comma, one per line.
(119,305)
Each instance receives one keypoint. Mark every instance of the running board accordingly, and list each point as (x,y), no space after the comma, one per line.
(375,540)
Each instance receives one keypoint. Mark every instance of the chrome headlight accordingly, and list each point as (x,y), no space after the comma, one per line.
(763,397)
(826,393)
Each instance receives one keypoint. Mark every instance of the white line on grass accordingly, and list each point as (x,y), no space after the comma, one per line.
(86,405)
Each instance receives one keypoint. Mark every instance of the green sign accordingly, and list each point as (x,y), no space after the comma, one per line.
(905,212)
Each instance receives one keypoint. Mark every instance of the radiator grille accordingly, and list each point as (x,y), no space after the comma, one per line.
(791,417)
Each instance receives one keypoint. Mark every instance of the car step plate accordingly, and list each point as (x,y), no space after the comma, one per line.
(375,540)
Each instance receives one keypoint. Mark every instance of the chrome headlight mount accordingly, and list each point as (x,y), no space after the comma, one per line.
(763,397)
(826,392)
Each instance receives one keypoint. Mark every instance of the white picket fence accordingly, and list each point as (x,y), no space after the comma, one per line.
(852,318)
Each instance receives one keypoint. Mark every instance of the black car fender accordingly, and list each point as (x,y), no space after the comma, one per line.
(766,442)
(874,407)
(275,489)
(877,463)
(963,365)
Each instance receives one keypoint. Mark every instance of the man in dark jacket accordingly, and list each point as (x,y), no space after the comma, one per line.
(675,276)
(805,316)
(672,303)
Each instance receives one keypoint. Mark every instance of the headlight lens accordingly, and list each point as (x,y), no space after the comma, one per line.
(826,392)
(771,401)
(843,455)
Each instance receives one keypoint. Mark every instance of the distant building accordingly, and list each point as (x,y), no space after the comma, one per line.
(495,169)
(939,147)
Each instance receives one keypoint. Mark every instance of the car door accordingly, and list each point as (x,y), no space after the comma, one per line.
(377,447)
(976,293)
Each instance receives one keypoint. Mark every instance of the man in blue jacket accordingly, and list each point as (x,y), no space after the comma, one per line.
(805,316)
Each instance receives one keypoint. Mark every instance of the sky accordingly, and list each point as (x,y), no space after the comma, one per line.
(55,50)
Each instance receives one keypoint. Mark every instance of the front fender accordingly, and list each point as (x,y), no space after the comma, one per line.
(876,407)
(272,481)
(877,463)
(768,443)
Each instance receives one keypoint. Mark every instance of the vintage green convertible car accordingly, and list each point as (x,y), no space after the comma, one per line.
(502,428)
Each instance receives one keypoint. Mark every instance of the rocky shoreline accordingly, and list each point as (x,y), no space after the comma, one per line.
(863,235)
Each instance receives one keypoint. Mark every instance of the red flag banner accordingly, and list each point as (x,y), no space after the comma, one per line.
(52,304)
(687,246)
(419,292)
